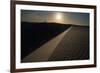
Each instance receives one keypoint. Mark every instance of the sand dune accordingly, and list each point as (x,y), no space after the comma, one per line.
(71,43)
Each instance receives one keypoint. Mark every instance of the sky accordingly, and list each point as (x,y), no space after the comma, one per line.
(54,16)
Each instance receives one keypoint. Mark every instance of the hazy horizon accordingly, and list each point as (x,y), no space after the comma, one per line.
(54,16)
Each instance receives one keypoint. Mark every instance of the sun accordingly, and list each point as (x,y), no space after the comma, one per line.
(58,16)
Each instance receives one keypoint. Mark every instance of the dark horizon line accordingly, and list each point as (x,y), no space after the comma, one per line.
(53,23)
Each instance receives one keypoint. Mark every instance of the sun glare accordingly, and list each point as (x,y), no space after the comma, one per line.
(58,16)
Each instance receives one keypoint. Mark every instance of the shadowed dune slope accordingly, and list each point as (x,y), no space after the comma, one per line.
(33,35)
